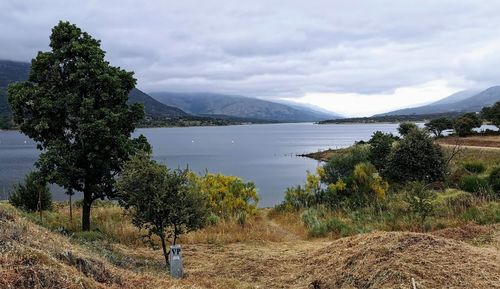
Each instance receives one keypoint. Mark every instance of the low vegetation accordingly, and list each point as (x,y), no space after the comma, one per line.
(398,184)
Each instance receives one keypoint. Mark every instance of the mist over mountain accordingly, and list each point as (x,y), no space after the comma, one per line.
(462,101)
(239,106)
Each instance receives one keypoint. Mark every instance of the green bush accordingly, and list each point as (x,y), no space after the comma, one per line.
(494,180)
(341,166)
(416,158)
(452,201)
(297,198)
(406,127)
(213,219)
(320,225)
(466,123)
(336,226)
(474,167)
(420,200)
(311,218)
(486,214)
(31,194)
(380,148)
(474,184)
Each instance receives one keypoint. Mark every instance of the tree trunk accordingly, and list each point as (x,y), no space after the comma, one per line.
(87,203)
(165,253)
(70,210)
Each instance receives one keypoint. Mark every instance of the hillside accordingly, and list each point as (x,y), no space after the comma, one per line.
(238,106)
(11,71)
(34,257)
(463,101)
(154,108)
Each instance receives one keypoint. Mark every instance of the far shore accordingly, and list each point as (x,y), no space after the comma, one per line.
(485,142)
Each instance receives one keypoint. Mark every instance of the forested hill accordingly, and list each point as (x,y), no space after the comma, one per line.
(239,106)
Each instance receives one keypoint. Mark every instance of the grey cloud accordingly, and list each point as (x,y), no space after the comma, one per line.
(274,48)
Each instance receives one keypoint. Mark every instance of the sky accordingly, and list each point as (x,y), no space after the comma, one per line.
(353,57)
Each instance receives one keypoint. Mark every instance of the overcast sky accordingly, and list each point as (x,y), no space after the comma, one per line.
(352,57)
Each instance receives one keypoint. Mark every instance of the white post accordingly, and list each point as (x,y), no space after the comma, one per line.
(176,261)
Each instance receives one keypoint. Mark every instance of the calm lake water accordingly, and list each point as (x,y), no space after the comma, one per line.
(264,154)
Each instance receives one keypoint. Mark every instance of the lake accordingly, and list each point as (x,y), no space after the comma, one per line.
(264,153)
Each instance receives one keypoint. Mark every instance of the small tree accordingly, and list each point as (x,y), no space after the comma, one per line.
(438,125)
(416,158)
(420,200)
(160,200)
(406,127)
(463,125)
(492,114)
(32,195)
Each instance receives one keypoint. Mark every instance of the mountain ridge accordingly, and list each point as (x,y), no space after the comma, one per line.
(462,101)
(207,103)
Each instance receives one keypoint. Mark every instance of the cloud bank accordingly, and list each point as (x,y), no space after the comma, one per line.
(382,54)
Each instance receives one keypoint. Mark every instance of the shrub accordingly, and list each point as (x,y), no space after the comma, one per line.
(474,184)
(406,127)
(416,158)
(213,219)
(451,200)
(311,218)
(319,224)
(463,125)
(474,167)
(494,180)
(333,224)
(32,195)
(368,183)
(488,213)
(296,198)
(227,195)
(341,166)
(420,200)
(380,148)
(492,114)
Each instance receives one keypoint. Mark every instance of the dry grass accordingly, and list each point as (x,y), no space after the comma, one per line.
(482,141)
(33,257)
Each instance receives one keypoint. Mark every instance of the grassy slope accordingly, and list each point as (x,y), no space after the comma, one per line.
(267,253)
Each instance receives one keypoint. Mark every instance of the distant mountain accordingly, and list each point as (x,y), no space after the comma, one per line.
(238,106)
(12,71)
(463,101)
(154,108)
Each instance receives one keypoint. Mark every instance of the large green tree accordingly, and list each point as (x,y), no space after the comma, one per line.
(74,106)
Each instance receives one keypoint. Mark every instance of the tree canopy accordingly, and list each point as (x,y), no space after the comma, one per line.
(74,105)
(416,158)
(463,125)
(492,114)
(161,200)
(438,125)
